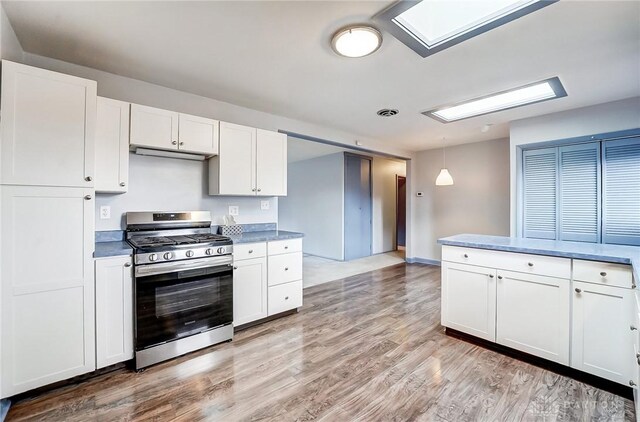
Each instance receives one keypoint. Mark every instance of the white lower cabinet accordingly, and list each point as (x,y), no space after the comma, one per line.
(249,290)
(267,279)
(603,331)
(114,310)
(469,299)
(47,330)
(533,314)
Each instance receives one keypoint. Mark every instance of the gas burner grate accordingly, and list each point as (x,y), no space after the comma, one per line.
(151,241)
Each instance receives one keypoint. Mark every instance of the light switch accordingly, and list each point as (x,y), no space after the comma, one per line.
(234,210)
(265,205)
(105,212)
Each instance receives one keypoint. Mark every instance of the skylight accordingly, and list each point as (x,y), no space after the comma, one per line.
(429,26)
(516,97)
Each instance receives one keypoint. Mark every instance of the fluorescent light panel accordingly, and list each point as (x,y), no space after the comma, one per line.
(516,97)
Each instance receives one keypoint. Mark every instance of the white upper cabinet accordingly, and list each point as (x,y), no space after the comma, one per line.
(48,125)
(198,134)
(271,163)
(233,171)
(251,162)
(48,321)
(154,128)
(112,146)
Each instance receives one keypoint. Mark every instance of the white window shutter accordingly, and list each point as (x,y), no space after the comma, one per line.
(540,179)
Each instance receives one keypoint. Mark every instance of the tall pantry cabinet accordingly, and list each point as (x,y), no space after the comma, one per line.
(47,324)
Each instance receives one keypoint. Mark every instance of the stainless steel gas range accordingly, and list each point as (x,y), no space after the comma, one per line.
(183,284)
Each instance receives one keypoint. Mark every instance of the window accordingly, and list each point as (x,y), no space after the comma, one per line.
(587,192)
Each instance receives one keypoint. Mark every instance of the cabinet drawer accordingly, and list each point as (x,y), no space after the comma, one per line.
(284,268)
(249,251)
(285,297)
(618,275)
(285,246)
(524,263)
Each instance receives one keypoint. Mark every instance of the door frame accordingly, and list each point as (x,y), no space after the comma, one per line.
(344,208)
(398,177)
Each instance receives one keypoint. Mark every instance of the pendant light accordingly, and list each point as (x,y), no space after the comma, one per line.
(444,178)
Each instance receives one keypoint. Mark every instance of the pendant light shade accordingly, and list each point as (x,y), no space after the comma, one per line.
(444,178)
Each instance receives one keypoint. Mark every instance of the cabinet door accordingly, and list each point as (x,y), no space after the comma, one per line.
(47,282)
(233,172)
(114,311)
(602,341)
(198,134)
(154,127)
(112,146)
(469,299)
(533,314)
(48,125)
(249,290)
(271,162)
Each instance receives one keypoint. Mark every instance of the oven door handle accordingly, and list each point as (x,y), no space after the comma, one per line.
(172,267)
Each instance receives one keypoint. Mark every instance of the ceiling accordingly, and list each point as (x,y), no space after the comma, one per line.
(275,56)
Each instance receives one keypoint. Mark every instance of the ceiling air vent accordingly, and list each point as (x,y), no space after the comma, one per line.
(387,112)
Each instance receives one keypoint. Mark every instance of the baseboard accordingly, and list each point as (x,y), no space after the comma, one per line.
(416,260)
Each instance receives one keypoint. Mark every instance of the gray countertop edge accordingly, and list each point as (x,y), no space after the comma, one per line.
(265,236)
(115,248)
(589,251)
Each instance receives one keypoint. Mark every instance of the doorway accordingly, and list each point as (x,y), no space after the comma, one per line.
(358,204)
(401,212)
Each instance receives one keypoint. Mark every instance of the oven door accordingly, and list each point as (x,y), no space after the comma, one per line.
(179,299)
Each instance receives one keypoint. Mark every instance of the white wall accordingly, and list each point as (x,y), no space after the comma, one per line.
(601,118)
(169,184)
(315,204)
(383,217)
(478,202)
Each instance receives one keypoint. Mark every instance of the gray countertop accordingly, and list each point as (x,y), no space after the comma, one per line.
(265,236)
(117,248)
(579,250)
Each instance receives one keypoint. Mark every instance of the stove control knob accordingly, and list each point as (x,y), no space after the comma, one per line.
(209,251)
(220,251)
(189,254)
(153,257)
(168,255)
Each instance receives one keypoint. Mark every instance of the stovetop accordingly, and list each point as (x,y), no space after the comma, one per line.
(190,239)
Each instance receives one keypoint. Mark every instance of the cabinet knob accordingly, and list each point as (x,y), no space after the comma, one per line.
(259,190)
(181,143)
(127,264)
(286,268)
(235,268)
(250,250)
(88,178)
(286,298)
(490,275)
(499,277)
(603,274)
(578,290)
(253,190)
(631,383)
(466,256)
(174,142)
(632,328)
(286,247)
(87,197)
(530,264)
(123,184)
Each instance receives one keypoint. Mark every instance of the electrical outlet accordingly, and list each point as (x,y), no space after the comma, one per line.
(234,210)
(265,205)
(105,212)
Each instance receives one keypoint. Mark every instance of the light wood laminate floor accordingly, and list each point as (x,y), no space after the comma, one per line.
(369,348)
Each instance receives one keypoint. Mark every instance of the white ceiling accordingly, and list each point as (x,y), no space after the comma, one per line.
(275,56)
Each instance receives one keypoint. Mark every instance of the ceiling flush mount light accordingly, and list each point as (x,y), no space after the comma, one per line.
(356,41)
(429,26)
(516,97)
(444,178)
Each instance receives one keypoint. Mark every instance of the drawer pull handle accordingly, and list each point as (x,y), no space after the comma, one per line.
(466,256)
(490,275)
(578,290)
(633,384)
(286,298)
(127,264)
(499,277)
(603,274)
(286,268)
(632,328)
(250,250)
(530,264)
